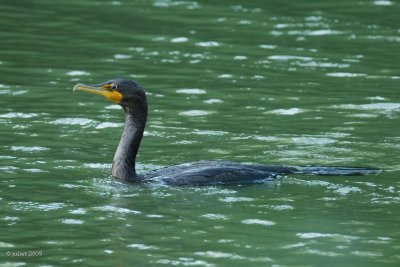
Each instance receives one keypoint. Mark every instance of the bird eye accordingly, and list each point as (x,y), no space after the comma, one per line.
(113,86)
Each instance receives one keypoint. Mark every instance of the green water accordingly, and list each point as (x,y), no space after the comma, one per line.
(270,82)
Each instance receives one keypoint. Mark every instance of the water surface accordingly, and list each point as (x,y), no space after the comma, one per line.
(294,83)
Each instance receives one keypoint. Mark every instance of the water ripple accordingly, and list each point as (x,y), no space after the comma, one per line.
(117,209)
(216,254)
(19,115)
(32,206)
(321,253)
(122,56)
(289,57)
(185,262)
(208,44)
(213,216)
(142,246)
(104,125)
(195,112)
(6,245)
(77,73)
(72,221)
(345,74)
(12,92)
(290,111)
(73,121)
(372,106)
(193,91)
(236,199)
(258,221)
(336,237)
(29,148)
(179,40)
(383,3)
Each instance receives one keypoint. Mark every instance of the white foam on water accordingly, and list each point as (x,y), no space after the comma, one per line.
(322,253)
(345,74)
(179,40)
(296,245)
(78,73)
(141,246)
(217,254)
(323,32)
(185,262)
(362,115)
(213,216)
(72,221)
(154,216)
(72,121)
(289,57)
(33,170)
(122,56)
(288,112)
(383,3)
(208,44)
(12,115)
(116,209)
(261,138)
(377,98)
(104,125)
(10,218)
(113,107)
(322,64)
(29,205)
(12,92)
(310,140)
(29,148)
(258,221)
(213,101)
(267,46)
(240,58)
(384,106)
(225,76)
(97,165)
(193,113)
(366,253)
(6,245)
(344,190)
(281,207)
(337,237)
(209,132)
(191,91)
(258,77)
(78,211)
(236,199)
(373,106)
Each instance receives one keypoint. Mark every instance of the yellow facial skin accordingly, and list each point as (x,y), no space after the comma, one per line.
(104,90)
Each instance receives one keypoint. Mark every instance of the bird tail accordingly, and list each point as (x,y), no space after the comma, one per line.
(333,171)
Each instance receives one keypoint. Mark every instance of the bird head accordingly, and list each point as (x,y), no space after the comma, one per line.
(120,91)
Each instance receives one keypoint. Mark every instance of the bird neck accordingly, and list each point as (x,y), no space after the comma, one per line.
(125,156)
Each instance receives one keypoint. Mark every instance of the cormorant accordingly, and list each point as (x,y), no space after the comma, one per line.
(132,98)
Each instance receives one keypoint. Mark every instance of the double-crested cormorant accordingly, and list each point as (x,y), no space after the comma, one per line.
(132,98)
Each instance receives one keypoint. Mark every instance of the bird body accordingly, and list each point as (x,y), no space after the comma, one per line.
(132,98)
(211,172)
(207,172)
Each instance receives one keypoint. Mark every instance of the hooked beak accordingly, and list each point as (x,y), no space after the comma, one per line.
(103,90)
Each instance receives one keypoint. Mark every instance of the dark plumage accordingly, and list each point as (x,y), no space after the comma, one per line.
(132,98)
